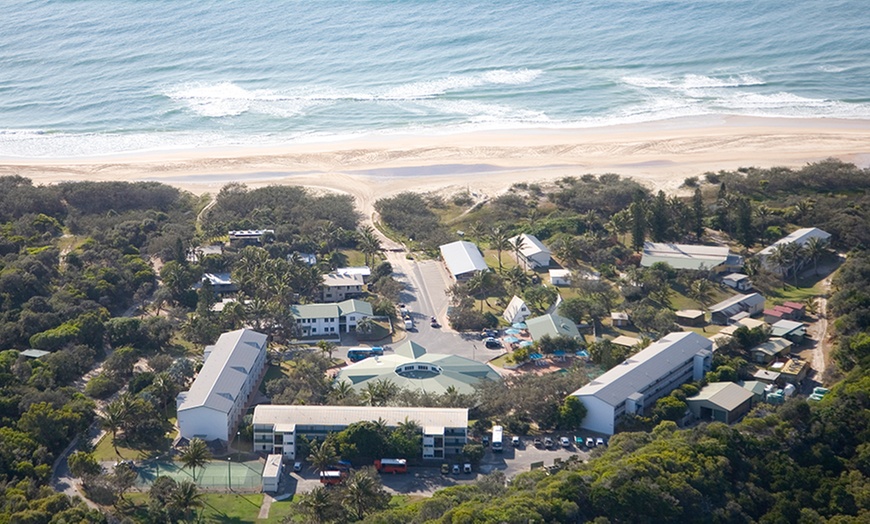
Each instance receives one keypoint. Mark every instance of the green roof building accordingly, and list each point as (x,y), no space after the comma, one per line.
(553,325)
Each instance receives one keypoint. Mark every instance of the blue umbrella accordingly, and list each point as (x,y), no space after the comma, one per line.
(583,353)
(526,343)
(536,356)
(512,331)
(519,325)
(511,340)
(558,353)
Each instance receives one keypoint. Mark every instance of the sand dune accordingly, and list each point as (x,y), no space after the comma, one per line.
(659,154)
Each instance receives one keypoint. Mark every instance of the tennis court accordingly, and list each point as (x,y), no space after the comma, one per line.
(215,474)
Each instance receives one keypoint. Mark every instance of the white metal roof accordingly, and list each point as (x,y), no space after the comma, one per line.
(462,257)
(531,246)
(644,368)
(516,310)
(272,468)
(342,279)
(683,256)
(726,395)
(749,300)
(801,237)
(346,415)
(363,271)
(225,371)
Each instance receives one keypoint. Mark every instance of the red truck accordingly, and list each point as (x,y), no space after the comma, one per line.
(391,465)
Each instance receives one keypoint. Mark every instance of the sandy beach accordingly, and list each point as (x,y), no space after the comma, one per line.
(658,154)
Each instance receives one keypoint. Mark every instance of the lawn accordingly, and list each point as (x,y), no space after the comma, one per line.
(105,452)
(230,507)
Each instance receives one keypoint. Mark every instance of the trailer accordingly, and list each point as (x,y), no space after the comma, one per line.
(387,465)
(331,478)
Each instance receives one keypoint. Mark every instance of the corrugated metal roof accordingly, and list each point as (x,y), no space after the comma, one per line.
(683,256)
(346,415)
(355,306)
(342,279)
(625,341)
(749,300)
(224,372)
(315,311)
(531,246)
(801,237)
(726,395)
(644,368)
(773,347)
(272,468)
(462,257)
(553,325)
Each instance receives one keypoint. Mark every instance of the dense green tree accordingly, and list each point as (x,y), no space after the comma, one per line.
(195,455)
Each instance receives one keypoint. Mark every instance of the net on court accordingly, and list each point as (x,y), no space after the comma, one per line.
(215,474)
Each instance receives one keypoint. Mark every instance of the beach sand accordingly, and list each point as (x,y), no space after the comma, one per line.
(658,154)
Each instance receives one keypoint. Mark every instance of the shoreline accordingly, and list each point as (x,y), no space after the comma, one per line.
(658,154)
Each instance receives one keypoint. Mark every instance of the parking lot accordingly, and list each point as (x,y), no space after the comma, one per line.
(425,480)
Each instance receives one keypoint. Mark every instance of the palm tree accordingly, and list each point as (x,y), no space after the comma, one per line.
(518,244)
(317,505)
(813,250)
(499,241)
(195,456)
(186,498)
(112,420)
(323,456)
(702,291)
(619,223)
(363,493)
(326,347)
(516,279)
(341,390)
(411,427)
(369,243)
(365,325)
(479,285)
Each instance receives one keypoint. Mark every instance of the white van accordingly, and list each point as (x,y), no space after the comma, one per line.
(409,324)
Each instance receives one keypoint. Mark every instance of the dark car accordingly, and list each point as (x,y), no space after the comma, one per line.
(548,443)
(537,442)
(492,343)
(434,322)
(488,333)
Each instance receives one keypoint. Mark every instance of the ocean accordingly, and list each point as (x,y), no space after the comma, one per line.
(98,77)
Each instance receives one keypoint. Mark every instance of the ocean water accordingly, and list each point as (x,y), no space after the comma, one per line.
(94,77)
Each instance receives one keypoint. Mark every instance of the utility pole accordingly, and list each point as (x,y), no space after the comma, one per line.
(229,475)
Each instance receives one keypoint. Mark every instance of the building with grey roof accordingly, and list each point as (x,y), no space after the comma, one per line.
(800,237)
(463,259)
(329,320)
(336,287)
(553,325)
(276,428)
(410,366)
(721,401)
(633,386)
(688,256)
(216,400)
(722,313)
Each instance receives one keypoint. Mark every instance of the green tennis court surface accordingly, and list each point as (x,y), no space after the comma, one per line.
(215,474)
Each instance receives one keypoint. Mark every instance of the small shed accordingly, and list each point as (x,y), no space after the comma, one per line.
(798,309)
(756,388)
(624,341)
(620,319)
(737,281)
(272,473)
(787,312)
(691,317)
(34,353)
(766,376)
(516,310)
(560,277)
(772,316)
(721,401)
(794,371)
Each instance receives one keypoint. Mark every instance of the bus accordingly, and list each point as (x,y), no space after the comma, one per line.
(497,432)
(361,353)
(391,465)
(331,478)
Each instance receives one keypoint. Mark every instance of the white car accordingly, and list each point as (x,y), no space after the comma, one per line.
(466,468)
(515,442)
(565,442)
(297,466)
(599,441)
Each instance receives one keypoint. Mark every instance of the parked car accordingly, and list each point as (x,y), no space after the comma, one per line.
(590,442)
(297,466)
(485,441)
(456,469)
(434,323)
(600,442)
(492,343)
(537,442)
(445,468)
(515,442)
(548,443)
(466,468)
(488,333)
(565,442)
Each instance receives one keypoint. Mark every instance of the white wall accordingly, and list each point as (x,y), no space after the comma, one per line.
(599,415)
(202,421)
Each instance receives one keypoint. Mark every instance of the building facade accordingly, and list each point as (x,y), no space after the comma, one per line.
(339,286)
(463,260)
(277,428)
(330,319)
(633,386)
(532,253)
(216,400)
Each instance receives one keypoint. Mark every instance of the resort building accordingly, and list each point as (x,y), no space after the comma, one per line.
(721,401)
(687,256)
(276,428)
(249,236)
(770,350)
(724,312)
(737,281)
(337,287)
(532,253)
(799,237)
(221,283)
(216,401)
(560,277)
(691,317)
(516,311)
(330,319)
(364,272)
(790,330)
(553,325)
(272,473)
(410,366)
(620,319)
(463,260)
(633,386)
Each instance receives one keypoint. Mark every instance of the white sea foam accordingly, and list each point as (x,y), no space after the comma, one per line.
(693,81)
(431,88)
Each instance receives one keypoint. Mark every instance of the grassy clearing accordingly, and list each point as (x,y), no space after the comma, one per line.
(228,507)
(501,361)
(104,451)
